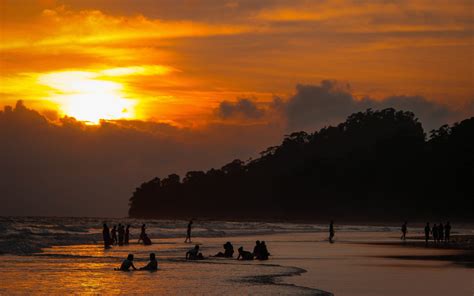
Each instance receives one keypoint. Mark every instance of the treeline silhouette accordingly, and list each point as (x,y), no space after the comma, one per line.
(375,165)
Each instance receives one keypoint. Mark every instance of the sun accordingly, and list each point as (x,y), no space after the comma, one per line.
(88,96)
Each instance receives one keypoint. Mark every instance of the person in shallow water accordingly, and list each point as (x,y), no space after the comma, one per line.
(127,263)
(404,231)
(447,232)
(194,254)
(152,265)
(142,233)
(228,251)
(244,255)
(434,231)
(188,232)
(263,254)
(257,249)
(331,232)
(440,232)
(106,236)
(121,233)
(427,233)
(127,235)
(114,235)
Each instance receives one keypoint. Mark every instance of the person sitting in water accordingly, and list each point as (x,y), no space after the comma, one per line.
(146,240)
(152,265)
(245,255)
(194,254)
(127,263)
(263,255)
(228,251)
(256,249)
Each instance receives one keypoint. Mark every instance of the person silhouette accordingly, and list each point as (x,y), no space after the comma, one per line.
(257,250)
(427,233)
(263,251)
(228,251)
(114,235)
(331,232)
(404,231)
(127,235)
(127,263)
(194,254)
(245,255)
(121,233)
(447,232)
(152,265)
(188,232)
(142,233)
(106,236)
(434,231)
(440,233)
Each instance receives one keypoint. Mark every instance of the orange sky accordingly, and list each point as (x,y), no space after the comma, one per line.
(175,61)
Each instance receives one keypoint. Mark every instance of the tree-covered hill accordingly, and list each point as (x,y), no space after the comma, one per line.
(377,165)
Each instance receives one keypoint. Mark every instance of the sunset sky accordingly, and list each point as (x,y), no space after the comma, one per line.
(224,78)
(175,61)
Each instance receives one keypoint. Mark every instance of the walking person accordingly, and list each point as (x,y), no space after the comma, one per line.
(331,232)
(188,232)
(114,235)
(404,231)
(142,233)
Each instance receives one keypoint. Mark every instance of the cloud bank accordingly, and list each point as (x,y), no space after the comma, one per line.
(72,169)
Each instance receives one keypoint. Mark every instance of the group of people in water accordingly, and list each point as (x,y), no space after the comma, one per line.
(121,235)
(128,263)
(111,237)
(439,233)
(260,252)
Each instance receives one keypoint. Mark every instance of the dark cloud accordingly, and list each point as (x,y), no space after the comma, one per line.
(69,168)
(243,108)
(314,106)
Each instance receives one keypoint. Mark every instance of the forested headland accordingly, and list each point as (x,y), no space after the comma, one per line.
(377,165)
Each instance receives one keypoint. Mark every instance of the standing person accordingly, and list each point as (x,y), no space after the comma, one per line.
(427,233)
(142,233)
(188,232)
(114,235)
(121,233)
(106,236)
(434,231)
(404,231)
(127,235)
(440,232)
(331,232)
(447,232)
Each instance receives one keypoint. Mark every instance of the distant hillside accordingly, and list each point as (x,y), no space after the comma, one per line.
(377,165)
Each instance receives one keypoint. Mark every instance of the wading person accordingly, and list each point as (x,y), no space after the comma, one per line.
(331,232)
(188,232)
(404,231)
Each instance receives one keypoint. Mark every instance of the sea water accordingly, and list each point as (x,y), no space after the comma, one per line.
(66,256)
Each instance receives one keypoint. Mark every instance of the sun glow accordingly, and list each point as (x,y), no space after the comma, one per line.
(88,96)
